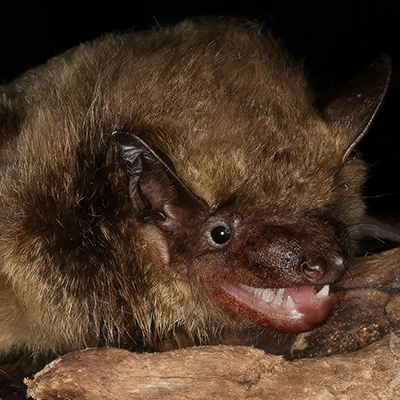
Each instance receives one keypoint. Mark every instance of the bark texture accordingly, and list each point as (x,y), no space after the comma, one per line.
(220,372)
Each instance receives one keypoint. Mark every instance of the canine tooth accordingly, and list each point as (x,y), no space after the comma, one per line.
(323,292)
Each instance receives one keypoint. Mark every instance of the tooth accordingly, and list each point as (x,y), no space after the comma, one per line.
(268,295)
(255,294)
(279,297)
(323,292)
(290,302)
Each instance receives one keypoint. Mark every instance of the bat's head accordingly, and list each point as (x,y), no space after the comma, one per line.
(269,247)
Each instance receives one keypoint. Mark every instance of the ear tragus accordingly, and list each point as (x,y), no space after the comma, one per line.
(356,104)
(155,189)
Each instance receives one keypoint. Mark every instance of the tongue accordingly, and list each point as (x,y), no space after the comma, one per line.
(290,310)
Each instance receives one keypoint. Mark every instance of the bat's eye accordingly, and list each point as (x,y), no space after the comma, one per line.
(220,235)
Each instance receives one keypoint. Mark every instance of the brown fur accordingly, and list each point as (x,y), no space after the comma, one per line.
(77,266)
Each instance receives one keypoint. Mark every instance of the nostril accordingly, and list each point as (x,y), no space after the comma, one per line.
(313,270)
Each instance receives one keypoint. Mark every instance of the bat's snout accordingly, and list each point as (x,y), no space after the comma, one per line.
(291,267)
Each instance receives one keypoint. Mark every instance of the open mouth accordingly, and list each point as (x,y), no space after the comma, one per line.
(291,310)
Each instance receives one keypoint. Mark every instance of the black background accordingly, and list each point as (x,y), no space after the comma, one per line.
(337,40)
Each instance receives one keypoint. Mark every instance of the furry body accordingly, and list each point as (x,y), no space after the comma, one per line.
(80,265)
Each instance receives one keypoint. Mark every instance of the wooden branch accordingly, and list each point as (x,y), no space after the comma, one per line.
(220,372)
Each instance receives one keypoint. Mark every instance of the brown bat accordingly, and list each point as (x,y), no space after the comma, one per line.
(161,189)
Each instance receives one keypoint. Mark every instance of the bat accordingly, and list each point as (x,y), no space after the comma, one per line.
(163,188)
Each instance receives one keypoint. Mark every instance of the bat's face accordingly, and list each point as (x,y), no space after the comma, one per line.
(273,269)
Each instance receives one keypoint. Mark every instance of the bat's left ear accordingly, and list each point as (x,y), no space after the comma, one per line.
(356,104)
(155,189)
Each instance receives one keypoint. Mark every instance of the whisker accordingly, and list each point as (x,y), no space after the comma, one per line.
(377,196)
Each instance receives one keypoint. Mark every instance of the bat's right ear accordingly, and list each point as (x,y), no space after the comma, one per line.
(155,189)
(356,104)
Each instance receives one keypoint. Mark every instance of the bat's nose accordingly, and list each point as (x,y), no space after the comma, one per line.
(315,269)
